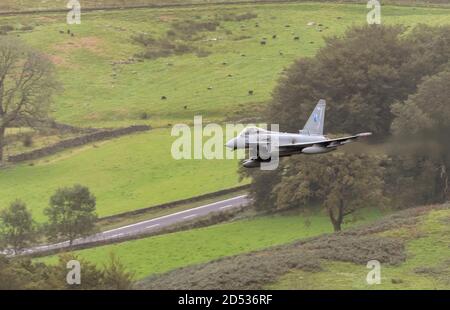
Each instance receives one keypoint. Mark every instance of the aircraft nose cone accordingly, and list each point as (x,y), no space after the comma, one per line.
(231,144)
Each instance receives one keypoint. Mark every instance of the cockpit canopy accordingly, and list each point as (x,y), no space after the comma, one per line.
(251,130)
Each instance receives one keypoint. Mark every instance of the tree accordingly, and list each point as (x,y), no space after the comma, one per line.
(342,183)
(260,188)
(422,148)
(17,228)
(71,213)
(27,84)
(361,75)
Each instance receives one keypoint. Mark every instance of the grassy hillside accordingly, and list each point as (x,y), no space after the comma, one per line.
(9,5)
(166,252)
(412,247)
(125,174)
(103,87)
(427,265)
(99,91)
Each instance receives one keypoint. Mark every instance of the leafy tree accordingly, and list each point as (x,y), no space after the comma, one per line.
(71,213)
(421,164)
(17,228)
(342,183)
(361,74)
(27,83)
(261,186)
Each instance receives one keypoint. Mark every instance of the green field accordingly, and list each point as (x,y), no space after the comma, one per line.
(427,266)
(166,252)
(94,95)
(137,171)
(9,5)
(125,174)
(61,4)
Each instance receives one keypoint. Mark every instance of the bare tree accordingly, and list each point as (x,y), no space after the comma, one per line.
(27,84)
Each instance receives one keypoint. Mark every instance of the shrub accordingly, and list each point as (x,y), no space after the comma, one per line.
(238,17)
(27,140)
(6,28)
(144,116)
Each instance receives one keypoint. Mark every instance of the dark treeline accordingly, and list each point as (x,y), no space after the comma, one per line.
(390,80)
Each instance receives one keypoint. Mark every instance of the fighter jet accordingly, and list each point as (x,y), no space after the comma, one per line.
(309,140)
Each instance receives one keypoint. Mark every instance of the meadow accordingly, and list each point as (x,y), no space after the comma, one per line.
(124,174)
(10,5)
(427,266)
(102,91)
(166,252)
(106,85)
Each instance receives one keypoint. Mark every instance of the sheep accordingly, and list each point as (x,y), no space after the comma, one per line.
(163,98)
(250,92)
(274,36)
(297,38)
(263,42)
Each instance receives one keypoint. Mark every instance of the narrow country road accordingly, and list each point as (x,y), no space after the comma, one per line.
(149,225)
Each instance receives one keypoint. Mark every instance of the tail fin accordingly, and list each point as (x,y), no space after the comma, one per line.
(314,125)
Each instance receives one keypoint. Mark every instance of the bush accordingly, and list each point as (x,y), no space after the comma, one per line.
(6,28)
(27,28)
(187,29)
(143,39)
(27,140)
(238,17)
